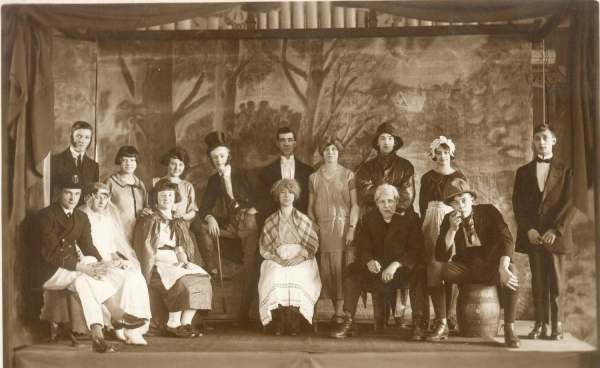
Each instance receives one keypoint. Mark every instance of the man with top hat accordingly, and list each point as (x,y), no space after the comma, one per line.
(543,212)
(236,192)
(484,250)
(387,168)
(69,260)
(73,160)
(287,166)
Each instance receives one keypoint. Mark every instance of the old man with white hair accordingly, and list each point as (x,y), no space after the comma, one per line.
(390,255)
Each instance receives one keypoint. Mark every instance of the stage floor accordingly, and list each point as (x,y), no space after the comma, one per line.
(224,347)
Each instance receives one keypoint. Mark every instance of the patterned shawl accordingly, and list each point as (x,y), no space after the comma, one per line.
(270,241)
(146,240)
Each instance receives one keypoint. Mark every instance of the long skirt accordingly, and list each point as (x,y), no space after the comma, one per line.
(132,294)
(436,211)
(297,286)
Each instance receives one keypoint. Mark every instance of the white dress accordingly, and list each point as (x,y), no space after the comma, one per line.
(132,291)
(297,286)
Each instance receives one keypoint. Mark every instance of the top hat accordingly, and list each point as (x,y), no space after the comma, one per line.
(215,139)
(389,129)
(456,187)
(68,181)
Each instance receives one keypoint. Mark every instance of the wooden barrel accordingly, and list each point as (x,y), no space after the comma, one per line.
(478,310)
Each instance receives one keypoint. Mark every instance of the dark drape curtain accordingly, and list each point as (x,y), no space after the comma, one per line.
(582,73)
(462,11)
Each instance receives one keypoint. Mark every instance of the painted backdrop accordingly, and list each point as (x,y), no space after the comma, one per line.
(154,95)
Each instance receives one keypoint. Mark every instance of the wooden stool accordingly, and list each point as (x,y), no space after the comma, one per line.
(478,310)
(62,309)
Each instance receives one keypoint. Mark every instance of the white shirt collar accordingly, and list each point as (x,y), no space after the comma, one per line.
(67,212)
(287,160)
(75,153)
(547,157)
(227,171)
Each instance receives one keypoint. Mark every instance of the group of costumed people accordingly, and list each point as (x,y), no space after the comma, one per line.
(304,234)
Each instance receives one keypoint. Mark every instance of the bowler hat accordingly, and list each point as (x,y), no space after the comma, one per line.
(389,129)
(215,139)
(68,181)
(456,187)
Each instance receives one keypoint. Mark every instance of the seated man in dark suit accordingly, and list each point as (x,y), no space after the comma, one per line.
(74,161)
(287,166)
(61,230)
(484,249)
(390,255)
(236,191)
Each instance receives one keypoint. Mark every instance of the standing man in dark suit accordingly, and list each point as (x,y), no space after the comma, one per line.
(388,168)
(237,192)
(390,254)
(73,160)
(543,212)
(61,230)
(289,167)
(484,250)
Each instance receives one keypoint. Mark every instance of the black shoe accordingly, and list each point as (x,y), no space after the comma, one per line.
(400,322)
(440,331)
(557,331)
(204,326)
(540,331)
(452,323)
(129,322)
(276,324)
(348,328)
(99,345)
(191,329)
(240,323)
(417,329)
(179,331)
(511,340)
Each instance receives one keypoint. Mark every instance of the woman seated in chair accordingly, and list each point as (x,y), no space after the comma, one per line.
(166,253)
(289,283)
(123,271)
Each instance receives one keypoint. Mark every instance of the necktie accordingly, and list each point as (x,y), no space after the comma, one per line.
(70,217)
(470,228)
(229,202)
(540,160)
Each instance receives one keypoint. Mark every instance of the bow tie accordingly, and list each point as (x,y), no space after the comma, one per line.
(540,160)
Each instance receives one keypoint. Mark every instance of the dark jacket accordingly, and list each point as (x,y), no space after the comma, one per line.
(246,190)
(65,163)
(401,175)
(271,173)
(493,233)
(555,211)
(57,237)
(403,242)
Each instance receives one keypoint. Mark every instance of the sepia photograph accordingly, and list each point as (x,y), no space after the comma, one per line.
(300,183)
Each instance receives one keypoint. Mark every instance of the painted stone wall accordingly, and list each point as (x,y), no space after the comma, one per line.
(475,90)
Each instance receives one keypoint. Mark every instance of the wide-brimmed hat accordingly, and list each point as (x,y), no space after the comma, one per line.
(456,187)
(68,181)
(389,129)
(215,139)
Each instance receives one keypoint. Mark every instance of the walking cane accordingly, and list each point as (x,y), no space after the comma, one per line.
(221,276)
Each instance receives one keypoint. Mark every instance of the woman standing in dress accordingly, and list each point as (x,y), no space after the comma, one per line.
(289,284)
(433,191)
(128,191)
(123,271)
(166,253)
(333,205)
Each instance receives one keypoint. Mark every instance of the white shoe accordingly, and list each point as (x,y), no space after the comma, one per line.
(120,333)
(134,337)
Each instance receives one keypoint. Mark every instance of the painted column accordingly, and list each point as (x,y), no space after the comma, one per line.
(338,17)
(286,15)
(350,17)
(262,21)
(312,15)
(325,14)
(274,19)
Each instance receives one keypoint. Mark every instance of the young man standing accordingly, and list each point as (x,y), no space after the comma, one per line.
(287,166)
(543,212)
(73,160)
(484,250)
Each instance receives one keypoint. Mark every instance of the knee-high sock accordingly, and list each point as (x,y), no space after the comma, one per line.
(174,319)
(509,299)
(187,316)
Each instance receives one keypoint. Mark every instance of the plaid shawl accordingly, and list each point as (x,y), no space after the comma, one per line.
(146,240)
(270,241)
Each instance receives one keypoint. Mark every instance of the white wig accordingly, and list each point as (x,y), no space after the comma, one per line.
(386,188)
